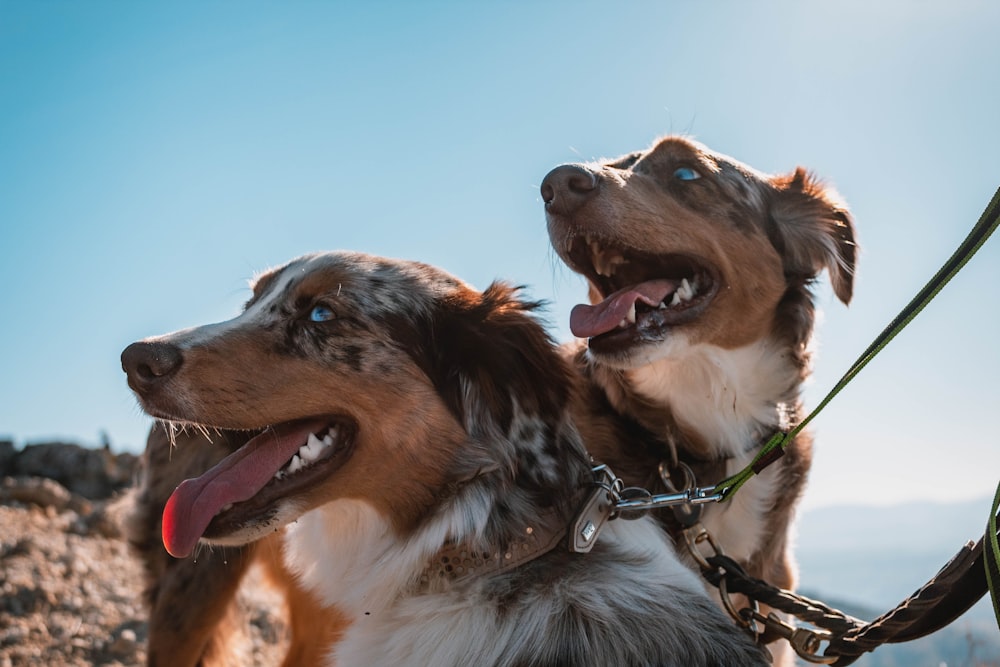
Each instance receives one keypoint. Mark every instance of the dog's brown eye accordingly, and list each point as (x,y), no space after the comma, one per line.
(321,313)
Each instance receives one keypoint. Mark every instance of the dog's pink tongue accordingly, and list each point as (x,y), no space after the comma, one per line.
(588,321)
(235,478)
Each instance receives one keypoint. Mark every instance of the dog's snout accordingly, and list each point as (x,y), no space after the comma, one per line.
(567,187)
(148,363)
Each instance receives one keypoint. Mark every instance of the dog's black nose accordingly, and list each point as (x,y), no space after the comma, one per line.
(148,363)
(567,187)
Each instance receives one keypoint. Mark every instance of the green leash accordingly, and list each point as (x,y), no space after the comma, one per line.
(991,557)
(775,446)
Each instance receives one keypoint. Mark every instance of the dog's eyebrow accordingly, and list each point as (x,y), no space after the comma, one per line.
(625,161)
(262,283)
(325,281)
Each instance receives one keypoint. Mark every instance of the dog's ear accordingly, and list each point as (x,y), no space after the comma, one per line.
(490,353)
(813,230)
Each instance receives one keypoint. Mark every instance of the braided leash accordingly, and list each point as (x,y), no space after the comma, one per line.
(949,594)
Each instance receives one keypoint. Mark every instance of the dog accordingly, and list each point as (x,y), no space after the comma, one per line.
(412,442)
(195,617)
(696,338)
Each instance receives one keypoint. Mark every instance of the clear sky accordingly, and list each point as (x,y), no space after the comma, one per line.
(154,156)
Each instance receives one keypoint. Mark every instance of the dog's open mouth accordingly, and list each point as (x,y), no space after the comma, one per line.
(642,294)
(280,461)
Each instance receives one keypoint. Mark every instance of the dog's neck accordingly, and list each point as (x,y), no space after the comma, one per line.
(547,530)
(722,401)
(368,564)
(525,617)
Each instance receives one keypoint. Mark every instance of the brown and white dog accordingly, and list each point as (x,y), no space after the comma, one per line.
(700,318)
(414,440)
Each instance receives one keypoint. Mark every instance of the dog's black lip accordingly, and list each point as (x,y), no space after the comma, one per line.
(262,507)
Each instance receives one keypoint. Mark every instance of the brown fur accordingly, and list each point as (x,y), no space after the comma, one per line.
(764,240)
(768,236)
(447,423)
(193,618)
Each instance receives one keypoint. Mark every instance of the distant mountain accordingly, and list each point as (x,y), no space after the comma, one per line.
(912,525)
(865,560)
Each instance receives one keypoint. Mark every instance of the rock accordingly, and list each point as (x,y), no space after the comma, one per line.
(71,591)
(124,644)
(95,474)
(43,493)
(7,453)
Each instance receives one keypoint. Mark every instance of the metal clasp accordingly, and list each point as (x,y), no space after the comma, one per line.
(687,514)
(694,537)
(804,641)
(697,496)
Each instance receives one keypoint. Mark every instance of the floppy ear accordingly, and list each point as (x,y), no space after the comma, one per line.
(502,355)
(487,357)
(814,231)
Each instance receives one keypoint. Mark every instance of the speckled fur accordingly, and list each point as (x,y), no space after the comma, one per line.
(463,431)
(718,385)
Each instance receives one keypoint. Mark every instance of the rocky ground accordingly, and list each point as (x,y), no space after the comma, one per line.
(70,591)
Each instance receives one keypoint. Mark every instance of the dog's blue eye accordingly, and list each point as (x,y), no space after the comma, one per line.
(686,174)
(321,313)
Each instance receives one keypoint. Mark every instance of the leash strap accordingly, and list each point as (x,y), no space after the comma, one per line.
(991,557)
(948,594)
(775,446)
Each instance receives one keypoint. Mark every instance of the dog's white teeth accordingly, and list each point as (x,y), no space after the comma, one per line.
(312,449)
(630,315)
(595,247)
(310,452)
(605,261)
(685,290)
(315,446)
(606,265)
(599,259)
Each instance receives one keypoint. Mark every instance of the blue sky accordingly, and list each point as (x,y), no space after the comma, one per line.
(154,156)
